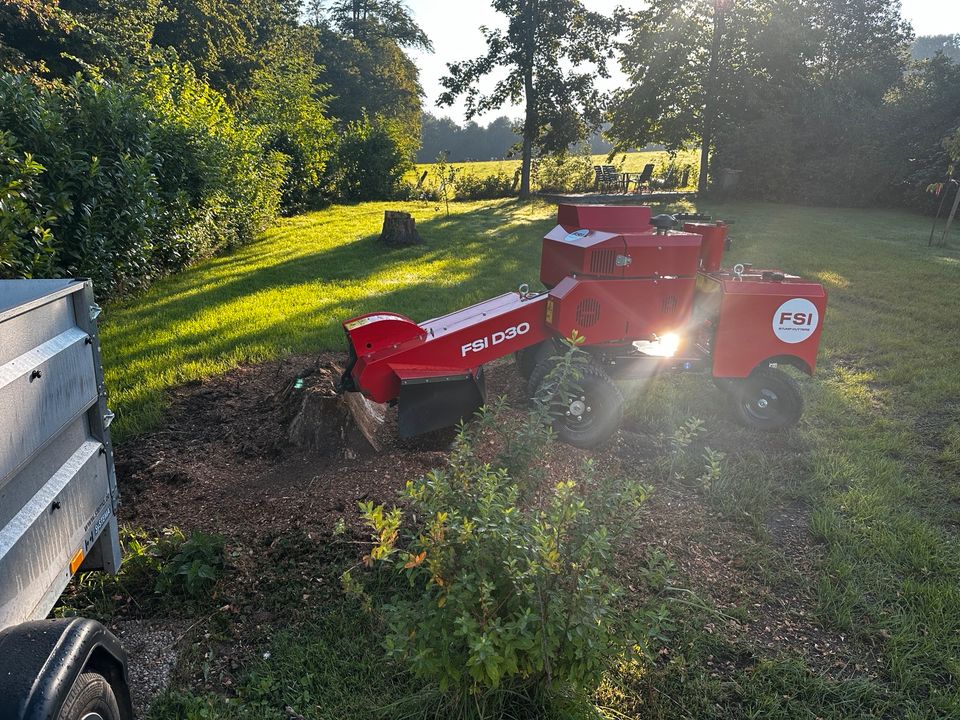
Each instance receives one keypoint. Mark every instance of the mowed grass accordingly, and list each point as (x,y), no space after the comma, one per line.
(626,162)
(289,292)
(881,476)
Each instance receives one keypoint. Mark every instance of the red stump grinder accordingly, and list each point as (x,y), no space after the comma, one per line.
(646,297)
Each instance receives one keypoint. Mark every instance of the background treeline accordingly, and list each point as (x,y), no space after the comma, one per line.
(136,137)
(498,140)
(814,101)
(139,135)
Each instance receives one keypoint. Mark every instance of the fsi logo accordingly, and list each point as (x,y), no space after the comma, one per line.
(495,339)
(795,320)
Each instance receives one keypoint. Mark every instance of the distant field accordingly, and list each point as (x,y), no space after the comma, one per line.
(626,162)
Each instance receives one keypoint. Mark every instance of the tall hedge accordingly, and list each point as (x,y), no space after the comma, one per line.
(122,183)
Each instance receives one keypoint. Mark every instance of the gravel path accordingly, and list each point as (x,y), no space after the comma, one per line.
(152,649)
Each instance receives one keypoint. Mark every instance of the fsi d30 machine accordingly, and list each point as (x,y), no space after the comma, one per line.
(646,297)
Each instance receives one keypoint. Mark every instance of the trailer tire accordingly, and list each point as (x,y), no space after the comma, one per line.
(90,698)
(767,400)
(600,407)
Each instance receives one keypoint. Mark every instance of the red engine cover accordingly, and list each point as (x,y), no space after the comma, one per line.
(606,311)
(596,253)
(614,241)
(609,218)
(761,320)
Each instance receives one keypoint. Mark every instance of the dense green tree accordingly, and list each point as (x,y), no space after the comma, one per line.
(551,51)
(370,20)
(227,41)
(921,110)
(798,99)
(372,77)
(287,101)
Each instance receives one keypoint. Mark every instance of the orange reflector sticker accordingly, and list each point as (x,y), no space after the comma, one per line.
(76,561)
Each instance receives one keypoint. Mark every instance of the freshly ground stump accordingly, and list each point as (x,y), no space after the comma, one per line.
(399,229)
(327,422)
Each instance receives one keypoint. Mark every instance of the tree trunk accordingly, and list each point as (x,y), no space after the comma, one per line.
(399,229)
(530,100)
(710,98)
(527,157)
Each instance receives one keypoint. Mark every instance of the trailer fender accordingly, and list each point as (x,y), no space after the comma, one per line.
(41,661)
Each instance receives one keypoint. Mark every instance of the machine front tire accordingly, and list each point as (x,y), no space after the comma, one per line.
(594,416)
(528,358)
(91,698)
(767,400)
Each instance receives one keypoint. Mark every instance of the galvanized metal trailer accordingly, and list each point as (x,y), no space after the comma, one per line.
(58,504)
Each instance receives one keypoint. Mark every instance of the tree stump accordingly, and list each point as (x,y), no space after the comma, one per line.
(399,229)
(327,422)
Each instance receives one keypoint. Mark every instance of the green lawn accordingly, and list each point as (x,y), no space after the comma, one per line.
(880,469)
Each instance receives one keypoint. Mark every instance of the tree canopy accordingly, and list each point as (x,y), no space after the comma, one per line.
(813,100)
(551,52)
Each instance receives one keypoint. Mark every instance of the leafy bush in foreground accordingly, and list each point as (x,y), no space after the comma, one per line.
(510,601)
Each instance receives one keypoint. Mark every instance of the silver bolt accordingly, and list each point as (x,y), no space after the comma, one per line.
(762,403)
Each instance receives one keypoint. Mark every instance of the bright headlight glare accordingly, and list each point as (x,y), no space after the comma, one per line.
(669,343)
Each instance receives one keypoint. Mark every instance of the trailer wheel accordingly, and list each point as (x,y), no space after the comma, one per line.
(767,400)
(591,418)
(91,698)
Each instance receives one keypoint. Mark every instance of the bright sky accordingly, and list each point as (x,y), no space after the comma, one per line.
(454,28)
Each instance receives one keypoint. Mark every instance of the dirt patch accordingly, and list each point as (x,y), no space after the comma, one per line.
(225,463)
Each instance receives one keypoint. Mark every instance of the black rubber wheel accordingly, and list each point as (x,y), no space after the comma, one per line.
(526,360)
(91,698)
(767,400)
(591,418)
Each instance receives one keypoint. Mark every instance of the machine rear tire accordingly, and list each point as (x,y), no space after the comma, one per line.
(767,400)
(90,698)
(591,419)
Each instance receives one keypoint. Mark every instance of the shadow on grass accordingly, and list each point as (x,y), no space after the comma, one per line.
(290,291)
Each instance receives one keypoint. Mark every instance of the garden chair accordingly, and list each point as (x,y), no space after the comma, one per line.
(607,177)
(641,179)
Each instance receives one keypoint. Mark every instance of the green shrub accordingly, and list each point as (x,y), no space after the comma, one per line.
(159,571)
(26,242)
(283,102)
(510,601)
(126,182)
(564,172)
(195,568)
(486,187)
(92,140)
(218,184)
(370,161)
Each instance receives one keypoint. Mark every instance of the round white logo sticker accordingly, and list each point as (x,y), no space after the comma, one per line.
(577,235)
(795,320)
